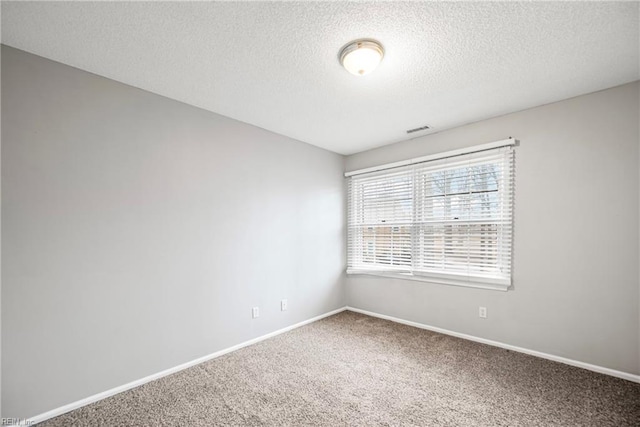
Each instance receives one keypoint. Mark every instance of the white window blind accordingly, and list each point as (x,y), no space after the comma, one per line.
(447,220)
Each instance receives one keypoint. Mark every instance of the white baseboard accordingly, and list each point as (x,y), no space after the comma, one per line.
(588,366)
(96,397)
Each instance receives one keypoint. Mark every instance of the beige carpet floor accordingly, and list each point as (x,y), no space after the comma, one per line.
(351,369)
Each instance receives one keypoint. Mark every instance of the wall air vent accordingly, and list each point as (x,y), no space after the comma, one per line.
(418,129)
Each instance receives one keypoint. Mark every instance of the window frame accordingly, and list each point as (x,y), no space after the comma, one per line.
(504,193)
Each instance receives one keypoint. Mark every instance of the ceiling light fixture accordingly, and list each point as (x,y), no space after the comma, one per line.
(362,56)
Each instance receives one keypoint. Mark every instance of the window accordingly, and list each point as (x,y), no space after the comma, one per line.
(445,219)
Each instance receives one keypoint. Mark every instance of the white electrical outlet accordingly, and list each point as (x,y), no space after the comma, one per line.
(482,312)
(283,305)
(255,312)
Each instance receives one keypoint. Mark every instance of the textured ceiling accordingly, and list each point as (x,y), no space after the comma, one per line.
(275,65)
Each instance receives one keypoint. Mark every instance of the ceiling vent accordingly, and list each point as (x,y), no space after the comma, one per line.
(418,129)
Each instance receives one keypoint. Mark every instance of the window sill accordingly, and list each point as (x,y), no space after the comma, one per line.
(437,280)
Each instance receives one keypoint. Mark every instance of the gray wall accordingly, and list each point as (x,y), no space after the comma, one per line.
(576,279)
(138,232)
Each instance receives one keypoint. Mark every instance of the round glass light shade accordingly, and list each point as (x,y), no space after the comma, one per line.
(361,57)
